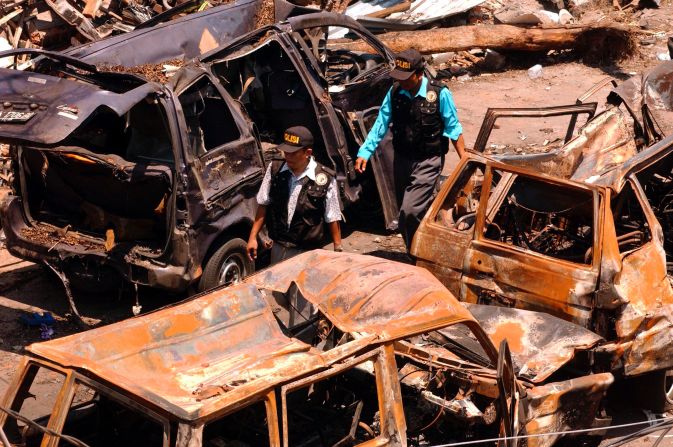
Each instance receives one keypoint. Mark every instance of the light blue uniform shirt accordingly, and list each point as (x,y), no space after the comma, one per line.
(447,108)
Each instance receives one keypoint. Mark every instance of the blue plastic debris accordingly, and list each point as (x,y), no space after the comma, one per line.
(36,319)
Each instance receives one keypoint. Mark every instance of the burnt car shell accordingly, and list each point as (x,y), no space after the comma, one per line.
(107,177)
(211,174)
(223,359)
(581,232)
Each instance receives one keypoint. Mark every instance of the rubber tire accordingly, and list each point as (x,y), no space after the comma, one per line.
(650,391)
(236,248)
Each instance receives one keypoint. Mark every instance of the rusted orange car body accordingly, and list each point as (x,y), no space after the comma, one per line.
(581,234)
(383,347)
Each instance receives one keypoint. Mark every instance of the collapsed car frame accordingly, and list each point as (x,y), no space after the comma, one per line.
(379,349)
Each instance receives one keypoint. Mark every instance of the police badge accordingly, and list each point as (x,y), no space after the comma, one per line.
(321,179)
(431,96)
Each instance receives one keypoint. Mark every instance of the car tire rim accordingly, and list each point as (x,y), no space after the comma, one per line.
(668,384)
(232,270)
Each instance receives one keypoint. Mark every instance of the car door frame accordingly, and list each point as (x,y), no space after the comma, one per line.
(196,163)
(488,261)
(393,424)
(493,114)
(434,242)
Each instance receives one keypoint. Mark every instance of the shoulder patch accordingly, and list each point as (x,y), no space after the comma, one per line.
(321,179)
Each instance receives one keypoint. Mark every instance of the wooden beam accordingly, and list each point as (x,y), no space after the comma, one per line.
(10,16)
(497,37)
(400,7)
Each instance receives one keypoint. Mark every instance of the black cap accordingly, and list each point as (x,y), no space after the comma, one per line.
(407,62)
(296,138)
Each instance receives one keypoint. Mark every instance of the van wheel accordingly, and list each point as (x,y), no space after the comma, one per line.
(654,391)
(228,265)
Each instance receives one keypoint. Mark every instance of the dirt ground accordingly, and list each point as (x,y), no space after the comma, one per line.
(25,287)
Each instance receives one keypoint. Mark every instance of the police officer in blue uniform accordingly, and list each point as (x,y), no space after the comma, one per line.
(423,118)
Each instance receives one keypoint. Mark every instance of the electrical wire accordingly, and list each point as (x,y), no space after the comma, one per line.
(658,427)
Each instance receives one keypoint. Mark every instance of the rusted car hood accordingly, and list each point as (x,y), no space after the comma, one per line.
(540,343)
(367,294)
(374,296)
(649,93)
(62,104)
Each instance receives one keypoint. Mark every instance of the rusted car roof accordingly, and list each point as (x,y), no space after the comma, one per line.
(225,338)
(367,294)
(228,339)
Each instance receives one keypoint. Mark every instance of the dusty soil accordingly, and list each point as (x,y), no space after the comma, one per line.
(151,72)
(26,288)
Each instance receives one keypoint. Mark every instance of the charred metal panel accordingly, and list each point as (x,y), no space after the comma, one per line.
(540,343)
(644,324)
(203,352)
(185,38)
(59,105)
(563,406)
(649,98)
(603,143)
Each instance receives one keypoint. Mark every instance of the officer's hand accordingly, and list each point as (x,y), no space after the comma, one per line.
(360,165)
(252,249)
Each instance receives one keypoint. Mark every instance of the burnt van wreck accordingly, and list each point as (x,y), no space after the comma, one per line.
(118,175)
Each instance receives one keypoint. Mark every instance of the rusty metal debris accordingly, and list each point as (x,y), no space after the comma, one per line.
(58,24)
(381,349)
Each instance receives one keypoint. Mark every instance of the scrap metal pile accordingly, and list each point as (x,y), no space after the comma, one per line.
(59,24)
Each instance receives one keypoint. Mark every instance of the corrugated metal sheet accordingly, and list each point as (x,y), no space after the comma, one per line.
(420,13)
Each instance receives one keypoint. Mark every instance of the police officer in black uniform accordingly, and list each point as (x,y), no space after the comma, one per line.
(301,197)
(423,118)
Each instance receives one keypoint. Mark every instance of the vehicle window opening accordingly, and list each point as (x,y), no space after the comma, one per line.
(299,319)
(244,428)
(273,95)
(547,219)
(208,117)
(35,400)
(99,420)
(437,403)
(657,183)
(348,400)
(543,134)
(459,209)
(341,66)
(111,179)
(631,225)
(140,136)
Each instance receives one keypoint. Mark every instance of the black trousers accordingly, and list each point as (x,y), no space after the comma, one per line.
(416,183)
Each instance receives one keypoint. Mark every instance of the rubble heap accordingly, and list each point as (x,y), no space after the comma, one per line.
(58,24)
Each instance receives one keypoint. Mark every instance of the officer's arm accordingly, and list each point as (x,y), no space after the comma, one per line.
(335,231)
(256,228)
(263,200)
(452,127)
(333,213)
(459,144)
(375,135)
